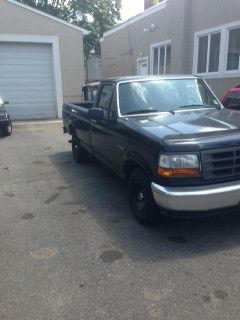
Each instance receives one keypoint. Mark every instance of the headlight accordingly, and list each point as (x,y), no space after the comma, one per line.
(179,165)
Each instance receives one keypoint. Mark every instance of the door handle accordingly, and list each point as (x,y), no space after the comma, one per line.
(93,121)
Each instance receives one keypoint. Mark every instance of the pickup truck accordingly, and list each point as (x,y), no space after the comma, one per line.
(169,137)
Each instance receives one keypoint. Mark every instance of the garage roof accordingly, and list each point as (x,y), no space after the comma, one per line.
(84,31)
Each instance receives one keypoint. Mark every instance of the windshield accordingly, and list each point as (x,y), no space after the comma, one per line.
(164,96)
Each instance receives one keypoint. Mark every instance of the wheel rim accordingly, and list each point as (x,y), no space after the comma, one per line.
(139,197)
(74,146)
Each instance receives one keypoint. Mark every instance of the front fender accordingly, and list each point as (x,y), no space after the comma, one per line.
(135,159)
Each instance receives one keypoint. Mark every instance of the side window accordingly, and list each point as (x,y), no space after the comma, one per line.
(105,98)
(113,107)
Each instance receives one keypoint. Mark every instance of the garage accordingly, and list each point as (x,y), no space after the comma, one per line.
(41,62)
(27,80)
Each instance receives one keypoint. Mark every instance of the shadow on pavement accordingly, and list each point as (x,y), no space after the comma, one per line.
(94,187)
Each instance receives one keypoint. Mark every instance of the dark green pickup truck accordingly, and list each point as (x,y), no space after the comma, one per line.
(168,137)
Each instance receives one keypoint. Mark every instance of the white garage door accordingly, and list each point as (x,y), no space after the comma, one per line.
(27,80)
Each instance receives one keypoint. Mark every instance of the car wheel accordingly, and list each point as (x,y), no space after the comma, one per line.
(80,155)
(141,198)
(7,129)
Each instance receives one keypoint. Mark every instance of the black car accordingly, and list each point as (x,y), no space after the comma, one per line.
(5,121)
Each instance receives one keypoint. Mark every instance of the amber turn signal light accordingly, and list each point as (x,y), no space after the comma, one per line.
(178,173)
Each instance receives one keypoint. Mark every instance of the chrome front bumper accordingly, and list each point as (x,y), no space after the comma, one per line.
(197,198)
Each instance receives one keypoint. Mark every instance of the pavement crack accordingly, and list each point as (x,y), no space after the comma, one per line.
(52,198)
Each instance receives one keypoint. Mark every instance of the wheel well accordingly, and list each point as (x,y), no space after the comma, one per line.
(71,129)
(129,166)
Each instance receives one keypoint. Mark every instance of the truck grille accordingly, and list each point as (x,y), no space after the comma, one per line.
(221,163)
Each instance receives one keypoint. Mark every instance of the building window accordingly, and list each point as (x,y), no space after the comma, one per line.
(168,59)
(208,53)
(161,58)
(233,53)
(217,51)
(202,54)
(155,60)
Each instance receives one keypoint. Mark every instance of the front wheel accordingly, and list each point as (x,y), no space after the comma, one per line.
(141,198)
(80,155)
(7,129)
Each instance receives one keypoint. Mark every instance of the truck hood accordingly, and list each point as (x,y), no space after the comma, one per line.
(193,130)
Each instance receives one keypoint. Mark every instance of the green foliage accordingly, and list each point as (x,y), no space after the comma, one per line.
(99,16)
(58,8)
(154,2)
(104,14)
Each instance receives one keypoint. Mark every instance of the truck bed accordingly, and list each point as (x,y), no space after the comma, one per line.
(72,109)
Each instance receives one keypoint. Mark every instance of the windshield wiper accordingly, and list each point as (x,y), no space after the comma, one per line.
(204,106)
(149,111)
(192,106)
(143,111)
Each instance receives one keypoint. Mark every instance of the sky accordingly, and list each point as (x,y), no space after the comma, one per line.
(130,8)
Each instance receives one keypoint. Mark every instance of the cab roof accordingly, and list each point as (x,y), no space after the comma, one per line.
(142,78)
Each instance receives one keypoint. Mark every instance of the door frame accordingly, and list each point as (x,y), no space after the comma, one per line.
(54,42)
(142,59)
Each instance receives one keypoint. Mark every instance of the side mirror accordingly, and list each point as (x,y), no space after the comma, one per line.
(95,114)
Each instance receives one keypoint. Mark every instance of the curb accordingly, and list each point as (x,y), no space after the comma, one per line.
(24,123)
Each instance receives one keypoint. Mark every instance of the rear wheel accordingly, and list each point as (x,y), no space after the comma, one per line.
(80,155)
(141,198)
(7,129)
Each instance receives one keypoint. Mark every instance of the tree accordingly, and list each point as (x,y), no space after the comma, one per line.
(99,16)
(57,8)
(154,2)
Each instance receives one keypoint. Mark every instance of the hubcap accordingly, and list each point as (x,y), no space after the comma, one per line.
(140,196)
(75,146)
(140,200)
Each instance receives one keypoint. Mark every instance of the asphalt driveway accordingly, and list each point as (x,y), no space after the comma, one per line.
(70,249)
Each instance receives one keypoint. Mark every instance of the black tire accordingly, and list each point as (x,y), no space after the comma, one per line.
(141,197)
(80,155)
(7,129)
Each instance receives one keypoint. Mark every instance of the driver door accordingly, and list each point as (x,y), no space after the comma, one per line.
(103,130)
